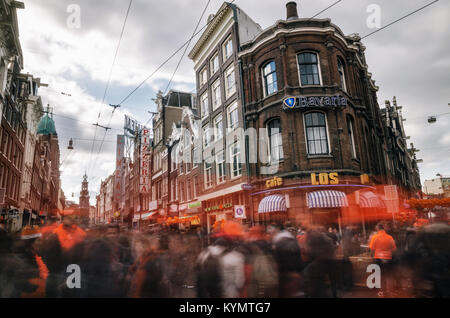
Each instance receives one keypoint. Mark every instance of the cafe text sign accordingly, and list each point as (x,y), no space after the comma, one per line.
(314,101)
(324,178)
(275,182)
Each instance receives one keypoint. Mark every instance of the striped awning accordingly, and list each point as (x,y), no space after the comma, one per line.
(272,203)
(327,199)
(370,200)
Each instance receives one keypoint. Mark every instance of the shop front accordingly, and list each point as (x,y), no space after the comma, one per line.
(325,199)
(192,213)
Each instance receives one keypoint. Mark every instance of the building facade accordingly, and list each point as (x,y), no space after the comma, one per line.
(220,100)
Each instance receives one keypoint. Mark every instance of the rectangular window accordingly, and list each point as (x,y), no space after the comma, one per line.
(230,83)
(182,193)
(204,105)
(188,191)
(309,68)
(208,175)
(351,136)
(206,136)
(220,167)
(216,98)
(269,78)
(203,76)
(195,187)
(214,64)
(233,117)
(316,134)
(235,153)
(227,49)
(218,128)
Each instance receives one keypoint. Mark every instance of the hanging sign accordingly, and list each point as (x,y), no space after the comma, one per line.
(145,162)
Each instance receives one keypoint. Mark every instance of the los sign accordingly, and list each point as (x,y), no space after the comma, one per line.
(324,178)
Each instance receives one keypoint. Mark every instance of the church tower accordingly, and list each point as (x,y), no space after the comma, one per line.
(84,199)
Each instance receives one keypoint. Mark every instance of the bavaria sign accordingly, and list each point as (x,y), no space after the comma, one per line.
(314,101)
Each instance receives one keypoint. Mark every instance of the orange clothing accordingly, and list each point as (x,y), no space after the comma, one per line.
(383,245)
(40,281)
(69,237)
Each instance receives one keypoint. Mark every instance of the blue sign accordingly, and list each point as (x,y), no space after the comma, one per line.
(290,102)
(314,101)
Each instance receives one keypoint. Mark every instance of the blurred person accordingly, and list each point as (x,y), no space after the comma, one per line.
(221,266)
(429,258)
(59,247)
(20,273)
(332,234)
(382,246)
(262,278)
(287,254)
(101,271)
(319,277)
(153,274)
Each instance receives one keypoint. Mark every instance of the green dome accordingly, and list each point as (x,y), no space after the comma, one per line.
(46,126)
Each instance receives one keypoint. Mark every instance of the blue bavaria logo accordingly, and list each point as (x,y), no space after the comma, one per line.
(290,102)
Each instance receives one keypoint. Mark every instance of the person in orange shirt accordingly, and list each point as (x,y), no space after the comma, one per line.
(382,245)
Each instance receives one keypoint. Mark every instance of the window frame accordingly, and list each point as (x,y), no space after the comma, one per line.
(230,109)
(221,178)
(232,156)
(318,68)
(264,78)
(203,74)
(227,72)
(206,136)
(342,78)
(351,133)
(208,173)
(211,63)
(269,138)
(216,136)
(224,50)
(204,97)
(216,102)
(326,132)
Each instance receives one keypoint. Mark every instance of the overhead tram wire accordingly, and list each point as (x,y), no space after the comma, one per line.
(108,82)
(186,47)
(403,17)
(173,54)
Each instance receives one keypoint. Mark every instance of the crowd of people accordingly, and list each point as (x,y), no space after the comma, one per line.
(275,260)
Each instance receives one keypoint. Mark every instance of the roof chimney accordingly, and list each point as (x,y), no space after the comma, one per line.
(291,10)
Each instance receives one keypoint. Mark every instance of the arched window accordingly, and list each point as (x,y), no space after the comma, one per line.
(269,78)
(275,141)
(309,68)
(316,134)
(341,74)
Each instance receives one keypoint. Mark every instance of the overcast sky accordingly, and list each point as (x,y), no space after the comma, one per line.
(409,60)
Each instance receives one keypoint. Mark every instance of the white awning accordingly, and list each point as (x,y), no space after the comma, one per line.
(272,203)
(370,200)
(327,199)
